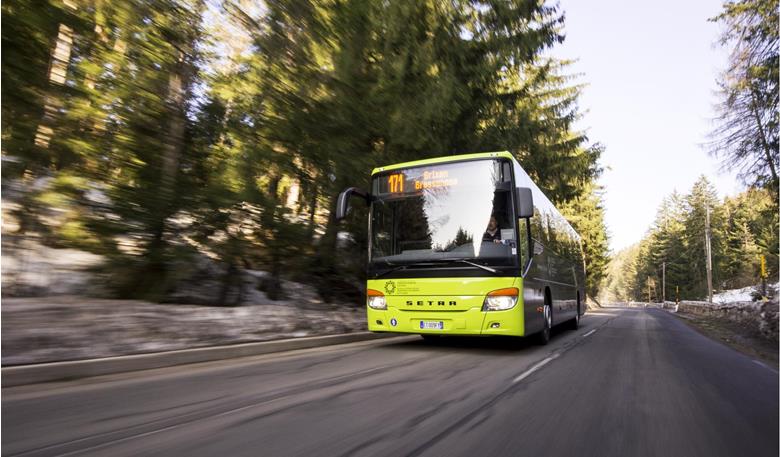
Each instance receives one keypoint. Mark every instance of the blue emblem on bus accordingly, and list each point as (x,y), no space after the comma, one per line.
(393,322)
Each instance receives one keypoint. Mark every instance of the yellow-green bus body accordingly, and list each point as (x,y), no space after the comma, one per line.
(548,274)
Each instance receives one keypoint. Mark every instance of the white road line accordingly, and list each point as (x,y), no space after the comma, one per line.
(533,369)
(764,365)
(589,333)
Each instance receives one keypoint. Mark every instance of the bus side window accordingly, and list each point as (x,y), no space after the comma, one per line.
(506,171)
(523,246)
(538,228)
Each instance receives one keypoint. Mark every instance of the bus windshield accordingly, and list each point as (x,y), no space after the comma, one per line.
(443,213)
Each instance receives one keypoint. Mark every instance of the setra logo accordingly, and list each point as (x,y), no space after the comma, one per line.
(390,287)
(431,302)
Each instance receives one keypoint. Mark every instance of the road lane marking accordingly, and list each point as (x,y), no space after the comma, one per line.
(531,370)
(589,333)
(764,365)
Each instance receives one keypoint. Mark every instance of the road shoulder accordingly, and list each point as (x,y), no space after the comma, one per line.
(736,335)
(73,370)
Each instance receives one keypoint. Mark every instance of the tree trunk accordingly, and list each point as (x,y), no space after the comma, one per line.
(175,136)
(227,283)
(764,143)
(313,212)
(163,207)
(328,241)
(58,75)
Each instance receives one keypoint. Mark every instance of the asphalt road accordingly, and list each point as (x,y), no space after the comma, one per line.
(630,382)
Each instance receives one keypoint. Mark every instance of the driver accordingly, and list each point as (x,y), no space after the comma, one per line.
(493,233)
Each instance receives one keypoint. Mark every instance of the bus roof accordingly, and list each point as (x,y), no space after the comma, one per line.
(445,159)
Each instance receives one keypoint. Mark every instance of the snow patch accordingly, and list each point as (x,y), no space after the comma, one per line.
(740,295)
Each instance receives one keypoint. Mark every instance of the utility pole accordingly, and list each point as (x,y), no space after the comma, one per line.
(708,249)
(663,282)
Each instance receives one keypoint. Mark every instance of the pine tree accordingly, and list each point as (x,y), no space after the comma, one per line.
(586,214)
(618,284)
(702,197)
(746,136)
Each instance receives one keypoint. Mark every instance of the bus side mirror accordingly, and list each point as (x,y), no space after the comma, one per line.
(524,200)
(342,204)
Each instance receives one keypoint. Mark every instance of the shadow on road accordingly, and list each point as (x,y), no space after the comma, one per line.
(488,345)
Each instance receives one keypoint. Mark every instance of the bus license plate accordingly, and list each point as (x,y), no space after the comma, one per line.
(432,325)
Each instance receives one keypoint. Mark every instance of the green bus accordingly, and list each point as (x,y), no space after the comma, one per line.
(467,245)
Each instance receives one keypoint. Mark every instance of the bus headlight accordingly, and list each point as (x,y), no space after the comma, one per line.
(376,299)
(501,299)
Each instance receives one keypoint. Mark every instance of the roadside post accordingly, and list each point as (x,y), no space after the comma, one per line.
(676,298)
(708,253)
(763,277)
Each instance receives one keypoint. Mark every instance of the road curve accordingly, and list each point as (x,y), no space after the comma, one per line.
(629,382)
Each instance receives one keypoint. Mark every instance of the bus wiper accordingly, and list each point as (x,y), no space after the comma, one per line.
(474,264)
(433,262)
(446,261)
(395,268)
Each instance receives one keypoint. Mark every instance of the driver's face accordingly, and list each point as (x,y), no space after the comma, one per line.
(492,224)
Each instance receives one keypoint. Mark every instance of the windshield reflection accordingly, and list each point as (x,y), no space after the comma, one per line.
(443,212)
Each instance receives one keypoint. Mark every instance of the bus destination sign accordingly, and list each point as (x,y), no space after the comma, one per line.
(415,181)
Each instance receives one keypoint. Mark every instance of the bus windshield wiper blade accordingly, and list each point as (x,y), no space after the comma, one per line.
(466,261)
(474,264)
(432,262)
(395,268)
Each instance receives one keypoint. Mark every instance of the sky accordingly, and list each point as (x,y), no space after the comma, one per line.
(650,70)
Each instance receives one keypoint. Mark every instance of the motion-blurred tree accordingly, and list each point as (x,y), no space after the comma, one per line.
(113,137)
(353,85)
(154,131)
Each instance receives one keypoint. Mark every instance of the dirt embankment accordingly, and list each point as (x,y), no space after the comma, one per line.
(761,318)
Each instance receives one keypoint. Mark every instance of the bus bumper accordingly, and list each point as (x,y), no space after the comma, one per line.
(470,322)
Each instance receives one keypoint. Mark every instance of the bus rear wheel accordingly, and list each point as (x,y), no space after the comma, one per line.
(574,324)
(543,337)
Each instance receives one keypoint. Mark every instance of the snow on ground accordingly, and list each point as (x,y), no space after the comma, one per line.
(45,329)
(56,320)
(739,295)
(30,268)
